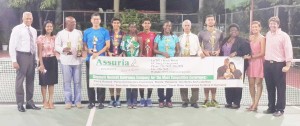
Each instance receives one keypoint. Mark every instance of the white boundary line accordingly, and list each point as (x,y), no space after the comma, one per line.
(91,117)
(296,107)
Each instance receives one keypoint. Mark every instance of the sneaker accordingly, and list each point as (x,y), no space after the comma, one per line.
(184,105)
(195,105)
(111,104)
(129,106)
(278,113)
(234,106)
(214,103)
(100,106)
(269,111)
(79,105)
(161,104)
(142,102)
(134,106)
(169,105)
(228,105)
(91,105)
(118,104)
(206,104)
(149,102)
(68,106)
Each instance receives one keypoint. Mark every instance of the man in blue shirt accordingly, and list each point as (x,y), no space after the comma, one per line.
(99,37)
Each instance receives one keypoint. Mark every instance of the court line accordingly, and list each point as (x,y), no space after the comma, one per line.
(296,107)
(91,117)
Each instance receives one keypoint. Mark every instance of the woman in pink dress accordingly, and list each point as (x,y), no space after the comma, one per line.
(255,70)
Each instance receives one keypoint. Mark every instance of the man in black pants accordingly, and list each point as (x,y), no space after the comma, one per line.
(96,42)
(278,57)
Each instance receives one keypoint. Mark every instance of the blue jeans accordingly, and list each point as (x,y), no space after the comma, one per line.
(70,72)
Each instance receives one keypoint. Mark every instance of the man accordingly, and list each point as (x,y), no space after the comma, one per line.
(222,70)
(210,40)
(67,43)
(22,50)
(116,36)
(189,47)
(99,36)
(278,57)
(146,50)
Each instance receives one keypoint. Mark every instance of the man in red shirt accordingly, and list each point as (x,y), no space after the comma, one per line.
(146,50)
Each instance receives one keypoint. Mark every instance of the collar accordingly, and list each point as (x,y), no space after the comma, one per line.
(23,25)
(185,34)
(277,32)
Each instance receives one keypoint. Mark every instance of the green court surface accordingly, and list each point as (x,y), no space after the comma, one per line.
(154,116)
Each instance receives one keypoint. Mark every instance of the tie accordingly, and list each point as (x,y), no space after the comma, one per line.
(187,45)
(32,47)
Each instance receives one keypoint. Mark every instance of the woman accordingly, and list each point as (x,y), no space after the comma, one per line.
(236,74)
(234,46)
(130,47)
(255,70)
(48,67)
(166,44)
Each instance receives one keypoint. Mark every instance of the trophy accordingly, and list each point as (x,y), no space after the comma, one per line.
(115,44)
(131,46)
(167,47)
(69,46)
(95,44)
(79,49)
(147,46)
(212,42)
(186,51)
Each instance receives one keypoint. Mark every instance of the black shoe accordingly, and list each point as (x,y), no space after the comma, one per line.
(278,113)
(184,105)
(228,105)
(32,106)
(234,106)
(269,111)
(195,105)
(100,106)
(91,105)
(21,108)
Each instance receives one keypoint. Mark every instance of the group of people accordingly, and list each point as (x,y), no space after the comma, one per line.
(265,57)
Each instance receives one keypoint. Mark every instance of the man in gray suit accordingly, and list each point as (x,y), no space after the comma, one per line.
(22,50)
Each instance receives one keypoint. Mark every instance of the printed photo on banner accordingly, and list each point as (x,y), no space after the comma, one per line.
(229,68)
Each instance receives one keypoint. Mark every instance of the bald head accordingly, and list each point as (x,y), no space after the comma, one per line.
(70,23)
(186,25)
(27,18)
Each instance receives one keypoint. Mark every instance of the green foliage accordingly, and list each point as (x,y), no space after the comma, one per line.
(32,4)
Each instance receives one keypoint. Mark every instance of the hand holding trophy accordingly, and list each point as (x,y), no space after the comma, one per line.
(69,48)
(95,44)
(79,49)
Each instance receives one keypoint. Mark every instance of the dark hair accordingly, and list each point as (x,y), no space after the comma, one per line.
(162,31)
(95,14)
(234,25)
(115,19)
(130,24)
(275,19)
(233,65)
(44,27)
(146,19)
(210,15)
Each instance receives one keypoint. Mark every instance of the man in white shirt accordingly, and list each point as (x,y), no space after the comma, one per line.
(189,47)
(22,51)
(67,43)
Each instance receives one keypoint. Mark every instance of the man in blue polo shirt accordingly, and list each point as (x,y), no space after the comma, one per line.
(99,37)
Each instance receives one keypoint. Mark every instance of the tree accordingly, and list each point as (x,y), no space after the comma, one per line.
(38,5)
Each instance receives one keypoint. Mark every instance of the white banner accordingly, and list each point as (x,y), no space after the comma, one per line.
(157,72)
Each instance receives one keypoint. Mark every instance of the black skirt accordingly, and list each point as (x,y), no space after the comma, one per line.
(51,75)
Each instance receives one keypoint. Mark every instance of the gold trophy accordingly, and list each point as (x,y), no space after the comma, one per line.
(212,43)
(186,51)
(79,49)
(115,44)
(167,47)
(95,44)
(147,46)
(69,46)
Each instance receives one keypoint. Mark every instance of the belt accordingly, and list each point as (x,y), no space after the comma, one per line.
(272,61)
(50,55)
(27,53)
